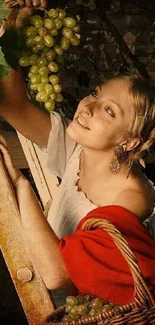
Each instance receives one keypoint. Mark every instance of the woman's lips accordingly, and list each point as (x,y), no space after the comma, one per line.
(81,122)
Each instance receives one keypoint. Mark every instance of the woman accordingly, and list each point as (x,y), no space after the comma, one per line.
(96,156)
(113,115)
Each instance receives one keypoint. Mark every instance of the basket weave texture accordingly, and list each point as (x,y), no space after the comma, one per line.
(139,312)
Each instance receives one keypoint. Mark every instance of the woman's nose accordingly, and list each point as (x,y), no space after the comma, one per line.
(88,110)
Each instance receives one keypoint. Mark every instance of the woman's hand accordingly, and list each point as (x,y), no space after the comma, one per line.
(17,14)
(33,3)
(13,172)
(27,3)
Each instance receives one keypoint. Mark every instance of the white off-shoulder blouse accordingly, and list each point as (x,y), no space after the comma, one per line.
(63,159)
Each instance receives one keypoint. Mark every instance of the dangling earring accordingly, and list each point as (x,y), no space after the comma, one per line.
(130,163)
(117,159)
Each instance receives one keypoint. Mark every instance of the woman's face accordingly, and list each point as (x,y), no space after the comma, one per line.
(103,117)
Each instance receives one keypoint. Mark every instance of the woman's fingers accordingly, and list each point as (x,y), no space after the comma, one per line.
(3,141)
(21,3)
(36,3)
(43,3)
(23,13)
(11,18)
(28,3)
(12,171)
(3,27)
(33,3)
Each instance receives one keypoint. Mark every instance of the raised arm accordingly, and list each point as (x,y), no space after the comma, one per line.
(15,105)
(20,112)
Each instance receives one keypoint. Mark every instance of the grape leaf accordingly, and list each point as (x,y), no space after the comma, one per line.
(3,11)
(4,66)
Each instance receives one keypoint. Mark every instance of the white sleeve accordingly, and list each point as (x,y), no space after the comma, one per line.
(60,146)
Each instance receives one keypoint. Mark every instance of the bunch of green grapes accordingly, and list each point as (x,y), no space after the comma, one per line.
(46,39)
(79,307)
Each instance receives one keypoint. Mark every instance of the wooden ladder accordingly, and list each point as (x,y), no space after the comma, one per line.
(34,296)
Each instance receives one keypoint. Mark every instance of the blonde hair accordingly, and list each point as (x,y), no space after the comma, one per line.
(143,124)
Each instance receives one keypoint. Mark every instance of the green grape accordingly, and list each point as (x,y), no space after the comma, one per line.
(50,55)
(34,69)
(68,308)
(37,21)
(82,309)
(57,88)
(53,32)
(64,43)
(40,46)
(43,71)
(44,79)
(84,316)
(42,31)
(29,75)
(39,39)
(30,42)
(49,23)
(53,13)
(33,87)
(58,50)
(71,301)
(62,13)
(58,23)
(48,89)
(81,299)
(43,96)
(69,22)
(35,79)
(38,97)
(95,312)
(73,310)
(42,61)
(59,98)
(76,29)
(49,40)
(75,41)
(53,67)
(24,61)
(67,32)
(107,308)
(74,317)
(49,105)
(54,79)
(35,49)
(53,96)
(30,31)
(67,318)
(41,86)
(59,59)
(96,303)
(33,59)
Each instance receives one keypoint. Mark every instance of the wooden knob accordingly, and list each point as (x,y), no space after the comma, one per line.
(25,274)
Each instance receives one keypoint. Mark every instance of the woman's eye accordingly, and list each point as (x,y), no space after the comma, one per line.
(94,94)
(109,111)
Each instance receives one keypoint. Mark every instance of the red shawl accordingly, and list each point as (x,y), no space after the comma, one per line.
(96,265)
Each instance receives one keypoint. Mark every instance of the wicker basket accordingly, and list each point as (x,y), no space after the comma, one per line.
(139,312)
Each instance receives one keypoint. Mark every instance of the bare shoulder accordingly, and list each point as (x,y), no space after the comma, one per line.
(139,198)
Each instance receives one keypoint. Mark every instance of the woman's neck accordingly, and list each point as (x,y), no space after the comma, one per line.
(97,163)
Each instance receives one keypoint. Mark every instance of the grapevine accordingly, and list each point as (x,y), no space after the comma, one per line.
(45,41)
(81,306)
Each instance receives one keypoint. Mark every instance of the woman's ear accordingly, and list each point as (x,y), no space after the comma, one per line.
(131,144)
